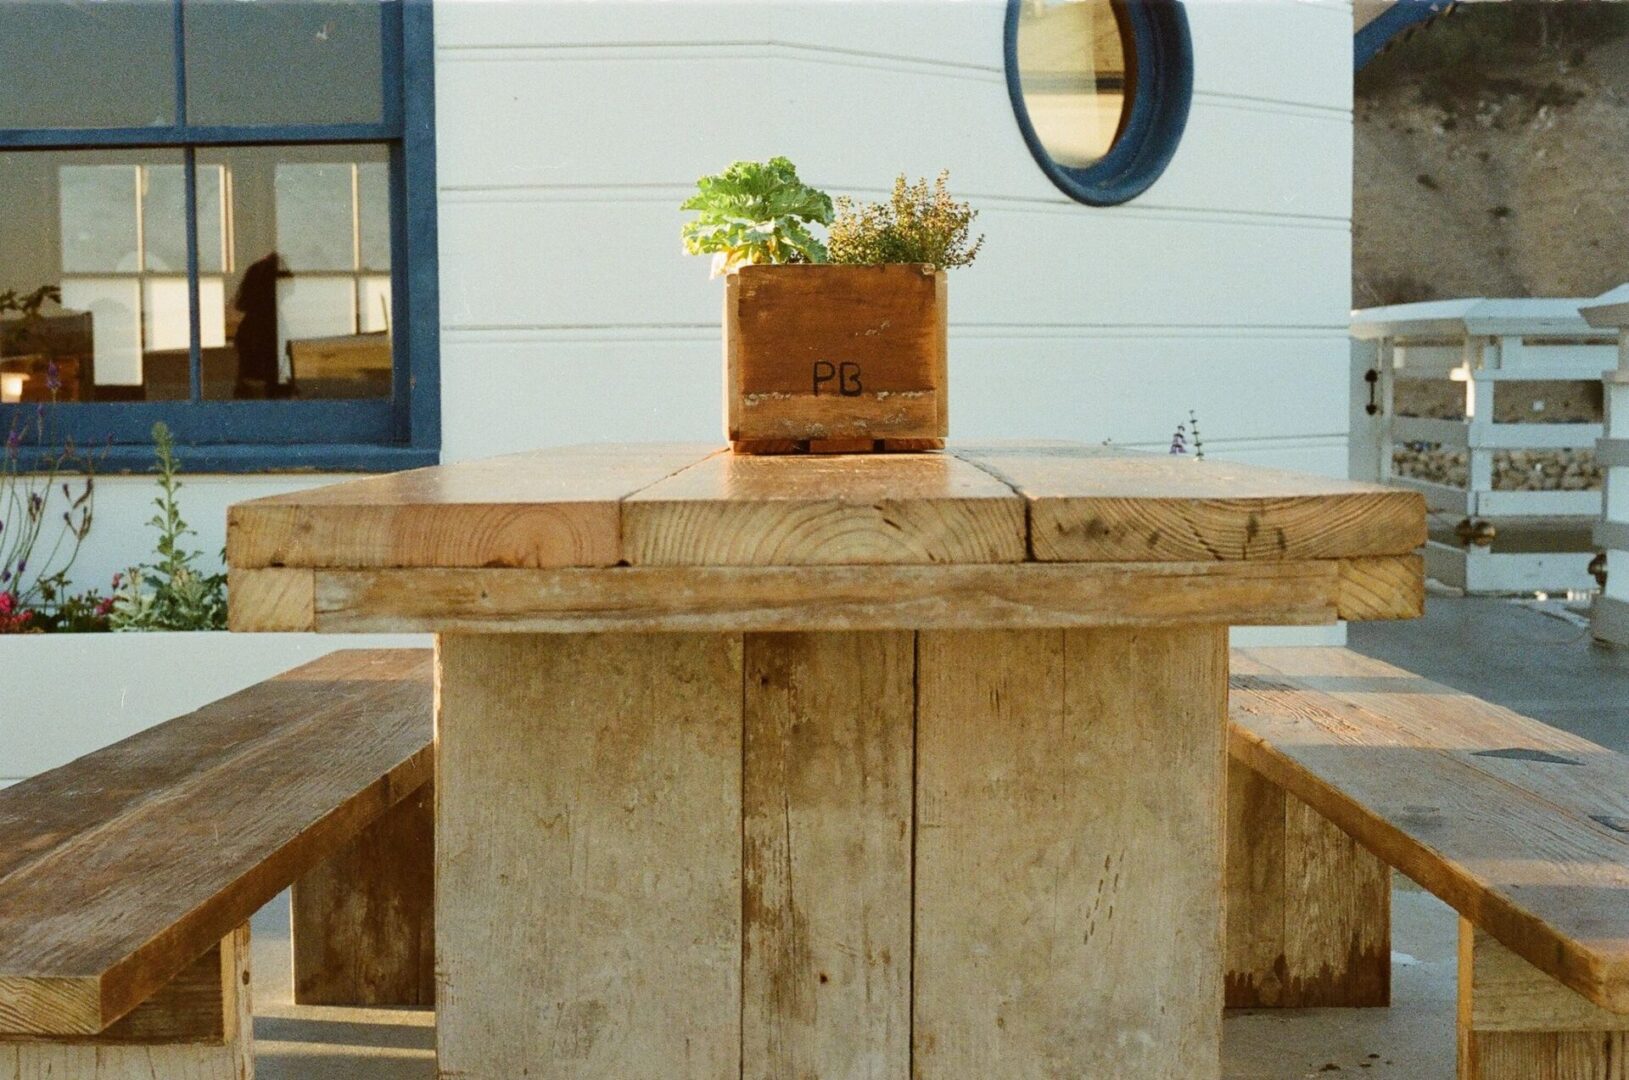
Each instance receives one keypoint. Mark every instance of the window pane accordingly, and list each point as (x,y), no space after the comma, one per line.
(164,219)
(305,311)
(73,64)
(81,222)
(284,61)
(1076,71)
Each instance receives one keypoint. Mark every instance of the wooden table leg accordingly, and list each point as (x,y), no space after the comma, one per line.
(588,843)
(827,833)
(1069,854)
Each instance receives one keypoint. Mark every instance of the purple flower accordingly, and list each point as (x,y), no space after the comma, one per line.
(53,377)
(13,441)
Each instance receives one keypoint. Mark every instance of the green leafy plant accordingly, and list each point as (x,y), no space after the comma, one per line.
(756,212)
(172,593)
(918,224)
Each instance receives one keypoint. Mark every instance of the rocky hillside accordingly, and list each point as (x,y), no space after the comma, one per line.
(1492,156)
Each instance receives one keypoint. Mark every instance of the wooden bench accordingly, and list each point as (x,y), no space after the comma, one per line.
(127,877)
(1342,768)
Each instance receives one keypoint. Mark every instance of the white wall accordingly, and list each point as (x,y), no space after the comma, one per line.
(569,132)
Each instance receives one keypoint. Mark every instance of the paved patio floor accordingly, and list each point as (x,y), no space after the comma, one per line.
(1534,662)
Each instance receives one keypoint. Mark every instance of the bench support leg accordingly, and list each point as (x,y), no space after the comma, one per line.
(364,920)
(197,1028)
(1517,1023)
(1308,908)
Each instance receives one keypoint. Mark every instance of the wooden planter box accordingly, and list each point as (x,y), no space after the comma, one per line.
(835,358)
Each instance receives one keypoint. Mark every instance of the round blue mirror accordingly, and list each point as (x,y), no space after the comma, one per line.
(1101,90)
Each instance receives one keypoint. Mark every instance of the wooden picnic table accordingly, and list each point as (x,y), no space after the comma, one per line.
(873,766)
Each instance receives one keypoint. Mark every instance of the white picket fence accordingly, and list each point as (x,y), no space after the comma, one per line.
(1477,344)
(1609,617)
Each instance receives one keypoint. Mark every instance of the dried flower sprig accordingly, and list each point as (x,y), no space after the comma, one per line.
(920,223)
(38,544)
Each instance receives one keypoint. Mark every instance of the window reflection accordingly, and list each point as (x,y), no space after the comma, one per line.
(1077,69)
(92,224)
(309,284)
(294,288)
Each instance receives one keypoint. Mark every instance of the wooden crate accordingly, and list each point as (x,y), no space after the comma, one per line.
(835,358)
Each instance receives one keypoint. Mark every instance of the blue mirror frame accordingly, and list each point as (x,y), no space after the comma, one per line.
(1159,106)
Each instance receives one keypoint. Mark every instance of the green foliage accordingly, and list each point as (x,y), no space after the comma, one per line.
(64,612)
(756,212)
(918,224)
(173,593)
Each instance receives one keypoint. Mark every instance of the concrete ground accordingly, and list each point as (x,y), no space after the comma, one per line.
(1533,659)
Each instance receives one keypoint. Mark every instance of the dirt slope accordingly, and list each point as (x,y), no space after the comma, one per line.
(1491,162)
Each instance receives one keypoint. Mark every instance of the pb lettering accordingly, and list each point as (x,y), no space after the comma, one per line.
(846,375)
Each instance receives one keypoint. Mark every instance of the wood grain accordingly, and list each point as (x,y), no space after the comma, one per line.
(1010,596)
(1069,862)
(1563,1055)
(589,836)
(1377,588)
(199,1027)
(1337,924)
(1090,504)
(740,510)
(1514,824)
(1253,948)
(364,919)
(815,352)
(827,804)
(272,599)
(1308,909)
(545,508)
(99,914)
(1516,1023)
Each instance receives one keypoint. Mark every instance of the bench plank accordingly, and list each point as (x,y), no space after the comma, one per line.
(1514,841)
(120,869)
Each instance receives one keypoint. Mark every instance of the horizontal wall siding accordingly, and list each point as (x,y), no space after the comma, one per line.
(532,260)
(583,386)
(527,110)
(1275,50)
(569,133)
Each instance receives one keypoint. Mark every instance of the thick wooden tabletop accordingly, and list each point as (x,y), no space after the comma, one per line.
(692,537)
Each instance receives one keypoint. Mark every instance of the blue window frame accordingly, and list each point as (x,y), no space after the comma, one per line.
(1151,69)
(396,423)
